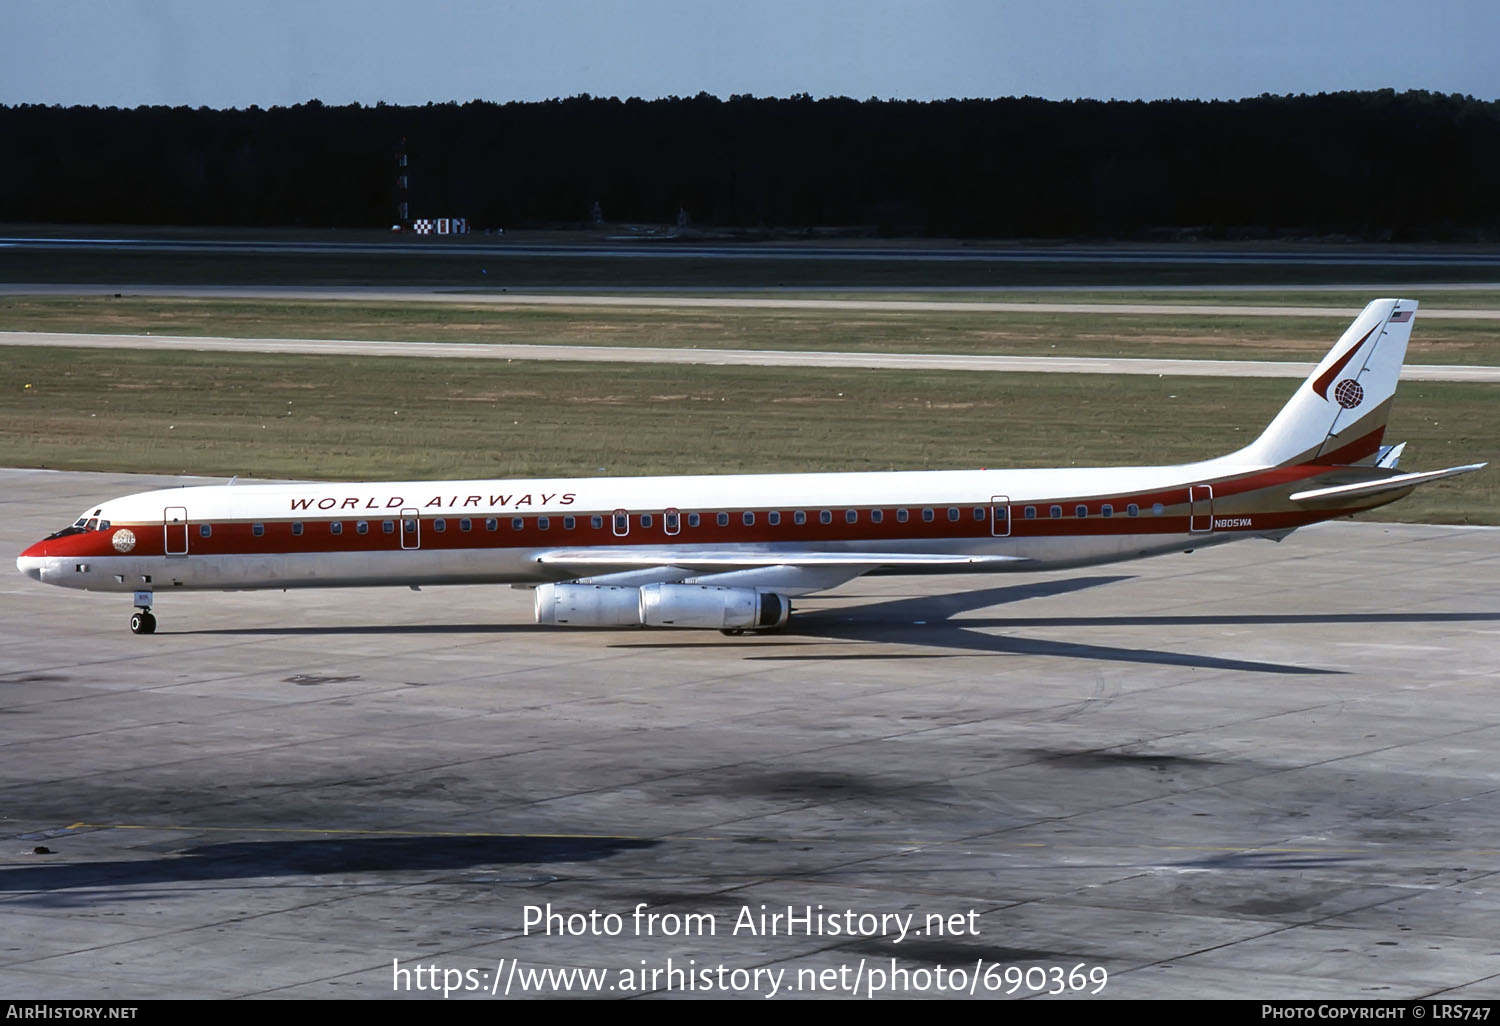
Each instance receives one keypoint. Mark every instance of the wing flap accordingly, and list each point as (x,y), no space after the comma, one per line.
(710,559)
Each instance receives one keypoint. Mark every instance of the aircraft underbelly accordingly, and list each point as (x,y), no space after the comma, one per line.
(1060,553)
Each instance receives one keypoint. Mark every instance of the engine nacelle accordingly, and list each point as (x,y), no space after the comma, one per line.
(588,605)
(713,608)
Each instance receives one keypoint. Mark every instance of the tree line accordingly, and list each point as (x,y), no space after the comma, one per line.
(1373,165)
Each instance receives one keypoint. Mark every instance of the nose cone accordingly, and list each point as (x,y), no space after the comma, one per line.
(30,562)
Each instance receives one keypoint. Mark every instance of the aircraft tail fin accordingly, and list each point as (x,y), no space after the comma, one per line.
(1338,415)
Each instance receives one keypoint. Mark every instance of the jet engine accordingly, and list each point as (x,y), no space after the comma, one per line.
(715,608)
(660,605)
(588,605)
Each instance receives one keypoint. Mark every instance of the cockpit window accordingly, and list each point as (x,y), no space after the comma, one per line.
(82,524)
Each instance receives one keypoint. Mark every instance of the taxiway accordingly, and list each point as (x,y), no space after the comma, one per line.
(1256,771)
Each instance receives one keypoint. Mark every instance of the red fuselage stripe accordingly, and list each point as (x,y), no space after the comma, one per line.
(316,536)
(1179,516)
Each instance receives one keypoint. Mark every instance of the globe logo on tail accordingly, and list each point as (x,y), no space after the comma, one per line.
(1348,393)
(1320,385)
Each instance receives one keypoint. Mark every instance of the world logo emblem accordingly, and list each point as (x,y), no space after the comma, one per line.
(1348,393)
(123,540)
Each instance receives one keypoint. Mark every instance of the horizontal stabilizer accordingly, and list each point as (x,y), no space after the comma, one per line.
(632,556)
(1385,484)
(1389,456)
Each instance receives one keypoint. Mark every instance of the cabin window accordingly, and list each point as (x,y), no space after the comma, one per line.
(407,527)
(1080,511)
(1106,510)
(671,522)
(927,515)
(851,516)
(748,519)
(978,512)
(825,517)
(1030,512)
(902,516)
(440,525)
(542,523)
(335,528)
(1055,512)
(296,529)
(516,523)
(1157,509)
(362,526)
(205,530)
(952,514)
(569,523)
(723,519)
(622,523)
(773,518)
(646,520)
(876,516)
(693,520)
(463,525)
(258,529)
(388,526)
(1132,510)
(800,517)
(596,522)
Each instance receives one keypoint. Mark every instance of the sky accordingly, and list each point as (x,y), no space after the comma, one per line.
(238,53)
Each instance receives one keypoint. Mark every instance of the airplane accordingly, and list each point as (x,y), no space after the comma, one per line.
(731,552)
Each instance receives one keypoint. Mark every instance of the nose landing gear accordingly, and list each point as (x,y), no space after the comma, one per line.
(141,621)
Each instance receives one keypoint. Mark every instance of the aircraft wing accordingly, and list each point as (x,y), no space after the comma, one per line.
(635,557)
(1384,484)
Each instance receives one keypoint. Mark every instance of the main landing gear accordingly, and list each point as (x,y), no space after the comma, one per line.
(141,621)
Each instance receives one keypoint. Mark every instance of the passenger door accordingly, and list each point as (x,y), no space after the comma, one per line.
(174,530)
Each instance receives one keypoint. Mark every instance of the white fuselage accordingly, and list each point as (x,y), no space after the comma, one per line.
(242,536)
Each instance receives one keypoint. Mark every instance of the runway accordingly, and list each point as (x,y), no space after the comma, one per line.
(725,357)
(1256,771)
(652,299)
(656,245)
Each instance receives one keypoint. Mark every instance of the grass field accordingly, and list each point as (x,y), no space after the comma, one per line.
(1023,333)
(330,418)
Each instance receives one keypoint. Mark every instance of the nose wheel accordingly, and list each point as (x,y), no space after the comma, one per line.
(141,621)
